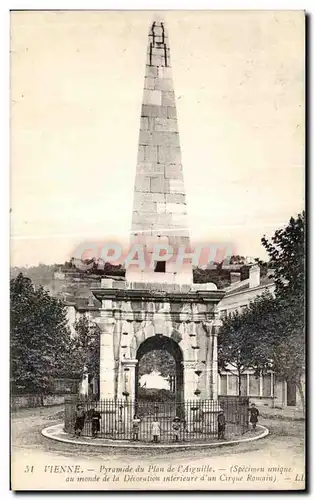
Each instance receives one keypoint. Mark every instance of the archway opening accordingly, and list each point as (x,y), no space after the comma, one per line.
(159,372)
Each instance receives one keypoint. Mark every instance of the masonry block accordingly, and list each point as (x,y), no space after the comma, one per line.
(163,219)
(157,59)
(149,83)
(169,154)
(174,171)
(165,138)
(140,224)
(175,198)
(149,197)
(177,241)
(143,218)
(151,121)
(144,137)
(158,185)
(141,154)
(161,207)
(176,208)
(152,97)
(144,123)
(145,206)
(151,71)
(150,110)
(177,186)
(168,99)
(171,112)
(165,125)
(147,154)
(151,154)
(150,168)
(165,84)
(179,219)
(164,72)
(142,183)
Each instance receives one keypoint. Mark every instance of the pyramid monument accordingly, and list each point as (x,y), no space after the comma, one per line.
(159,206)
(159,307)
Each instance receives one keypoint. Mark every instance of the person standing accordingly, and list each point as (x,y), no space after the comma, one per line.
(176,428)
(79,420)
(254,414)
(135,427)
(156,430)
(95,418)
(221,425)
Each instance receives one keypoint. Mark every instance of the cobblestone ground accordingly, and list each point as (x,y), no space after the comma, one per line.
(285,444)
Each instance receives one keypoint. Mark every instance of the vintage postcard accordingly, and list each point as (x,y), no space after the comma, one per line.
(157,325)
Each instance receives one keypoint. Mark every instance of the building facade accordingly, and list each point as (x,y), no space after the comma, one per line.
(266,389)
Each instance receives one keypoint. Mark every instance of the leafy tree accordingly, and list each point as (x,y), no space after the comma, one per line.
(237,259)
(157,360)
(85,348)
(235,345)
(286,252)
(270,333)
(39,337)
(249,340)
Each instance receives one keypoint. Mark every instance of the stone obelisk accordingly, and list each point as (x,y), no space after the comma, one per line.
(159,208)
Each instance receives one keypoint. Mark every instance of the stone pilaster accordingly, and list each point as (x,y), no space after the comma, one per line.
(214,369)
(129,377)
(190,380)
(107,362)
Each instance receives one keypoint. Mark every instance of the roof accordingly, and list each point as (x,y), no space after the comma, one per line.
(83,303)
(265,281)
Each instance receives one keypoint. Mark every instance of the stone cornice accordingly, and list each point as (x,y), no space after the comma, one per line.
(116,294)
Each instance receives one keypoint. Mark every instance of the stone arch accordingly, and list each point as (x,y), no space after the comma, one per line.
(161,342)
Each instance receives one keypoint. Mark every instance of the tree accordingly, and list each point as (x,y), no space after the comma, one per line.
(235,344)
(85,348)
(39,337)
(232,347)
(248,340)
(286,252)
(270,333)
(157,360)
(237,259)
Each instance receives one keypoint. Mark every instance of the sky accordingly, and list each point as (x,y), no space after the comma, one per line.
(76,92)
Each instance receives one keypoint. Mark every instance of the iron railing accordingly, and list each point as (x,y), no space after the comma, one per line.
(137,420)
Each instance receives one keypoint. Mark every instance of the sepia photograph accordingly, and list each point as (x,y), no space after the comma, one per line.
(157,253)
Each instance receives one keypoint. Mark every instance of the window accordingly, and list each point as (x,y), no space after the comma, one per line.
(223,380)
(253,385)
(243,385)
(223,313)
(160,266)
(233,385)
(267,385)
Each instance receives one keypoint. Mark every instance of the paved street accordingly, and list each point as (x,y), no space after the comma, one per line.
(284,447)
